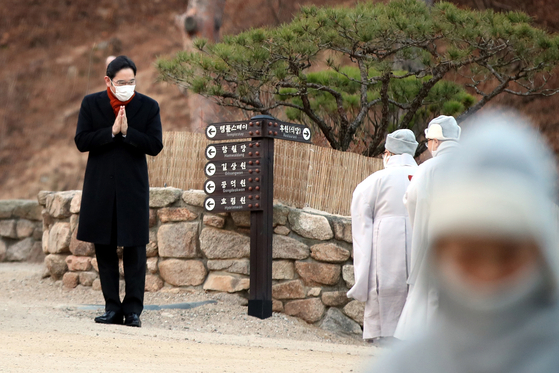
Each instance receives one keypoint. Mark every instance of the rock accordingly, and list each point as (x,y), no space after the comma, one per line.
(20,251)
(336,322)
(318,273)
(334,298)
(94,264)
(45,242)
(81,248)
(169,214)
(26,209)
(329,252)
(310,310)
(152,218)
(153,283)
(355,310)
(48,221)
(87,278)
(179,272)
(226,282)
(78,263)
(96,285)
(283,270)
(194,197)
(280,215)
(161,197)
(220,244)
(42,197)
(348,275)
(277,306)
(3,250)
(178,240)
(151,247)
(24,228)
(58,204)
(56,264)
(59,238)
(314,292)
(37,233)
(8,228)
(282,230)
(36,255)
(311,226)
(151,265)
(342,229)
(76,203)
(7,207)
(70,280)
(288,248)
(240,266)
(288,290)
(214,220)
(241,219)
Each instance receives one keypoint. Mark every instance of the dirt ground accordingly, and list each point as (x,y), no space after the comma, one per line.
(46,328)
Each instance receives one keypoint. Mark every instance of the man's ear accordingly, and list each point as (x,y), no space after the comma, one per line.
(108,81)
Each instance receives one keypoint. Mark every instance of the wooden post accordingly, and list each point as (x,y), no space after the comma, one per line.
(261,237)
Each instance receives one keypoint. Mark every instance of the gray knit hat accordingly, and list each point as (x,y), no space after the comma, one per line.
(401,141)
(442,128)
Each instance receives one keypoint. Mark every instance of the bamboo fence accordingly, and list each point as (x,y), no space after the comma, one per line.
(304,175)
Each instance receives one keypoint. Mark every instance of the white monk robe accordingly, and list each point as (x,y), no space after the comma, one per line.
(422,298)
(381,245)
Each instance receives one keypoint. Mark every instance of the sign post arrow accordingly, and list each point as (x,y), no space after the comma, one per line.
(209,204)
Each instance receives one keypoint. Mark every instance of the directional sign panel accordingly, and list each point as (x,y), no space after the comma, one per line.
(233,168)
(233,202)
(235,184)
(287,131)
(233,150)
(234,130)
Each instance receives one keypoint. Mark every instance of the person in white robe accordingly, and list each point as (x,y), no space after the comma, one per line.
(442,136)
(493,257)
(382,237)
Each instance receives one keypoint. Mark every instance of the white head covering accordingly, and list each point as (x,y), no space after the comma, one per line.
(401,141)
(501,183)
(442,128)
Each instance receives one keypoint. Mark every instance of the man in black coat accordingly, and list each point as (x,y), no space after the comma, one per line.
(118,127)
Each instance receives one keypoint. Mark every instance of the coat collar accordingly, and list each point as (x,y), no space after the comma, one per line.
(399,160)
(131,109)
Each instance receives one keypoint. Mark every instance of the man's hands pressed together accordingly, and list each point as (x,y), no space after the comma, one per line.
(121,122)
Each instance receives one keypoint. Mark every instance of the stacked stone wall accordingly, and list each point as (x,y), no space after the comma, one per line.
(21,231)
(189,247)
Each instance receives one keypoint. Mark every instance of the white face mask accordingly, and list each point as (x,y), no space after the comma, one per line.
(123,93)
(385,158)
(499,297)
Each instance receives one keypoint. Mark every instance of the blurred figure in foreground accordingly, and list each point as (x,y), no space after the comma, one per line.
(382,237)
(493,258)
(442,136)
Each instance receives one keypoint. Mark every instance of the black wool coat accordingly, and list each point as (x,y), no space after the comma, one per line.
(116,177)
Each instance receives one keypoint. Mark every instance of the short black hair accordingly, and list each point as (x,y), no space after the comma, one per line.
(119,63)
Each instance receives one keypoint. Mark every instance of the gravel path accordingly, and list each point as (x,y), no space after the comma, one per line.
(46,328)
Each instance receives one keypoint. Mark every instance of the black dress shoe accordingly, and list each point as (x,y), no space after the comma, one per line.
(110,317)
(132,319)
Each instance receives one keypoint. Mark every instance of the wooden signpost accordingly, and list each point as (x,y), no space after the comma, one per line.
(240,178)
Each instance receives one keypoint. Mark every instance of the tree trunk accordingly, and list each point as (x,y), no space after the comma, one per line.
(202,19)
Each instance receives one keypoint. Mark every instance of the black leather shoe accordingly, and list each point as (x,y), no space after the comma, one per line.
(110,317)
(132,320)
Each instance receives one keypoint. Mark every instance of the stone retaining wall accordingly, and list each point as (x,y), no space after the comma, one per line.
(20,231)
(189,247)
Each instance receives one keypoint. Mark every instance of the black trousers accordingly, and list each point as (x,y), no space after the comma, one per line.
(134,260)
